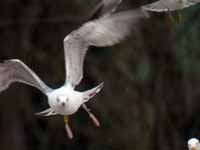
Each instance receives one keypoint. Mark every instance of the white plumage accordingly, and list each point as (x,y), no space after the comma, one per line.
(169,5)
(193,144)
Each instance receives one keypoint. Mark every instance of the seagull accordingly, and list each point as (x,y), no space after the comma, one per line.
(193,144)
(104,31)
(169,5)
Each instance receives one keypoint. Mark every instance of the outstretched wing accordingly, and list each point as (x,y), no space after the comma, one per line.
(106,31)
(169,5)
(104,7)
(110,30)
(15,70)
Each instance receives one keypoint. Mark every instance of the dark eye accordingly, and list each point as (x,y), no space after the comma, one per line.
(67,99)
(58,100)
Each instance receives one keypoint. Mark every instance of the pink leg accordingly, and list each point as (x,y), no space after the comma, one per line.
(67,128)
(92,116)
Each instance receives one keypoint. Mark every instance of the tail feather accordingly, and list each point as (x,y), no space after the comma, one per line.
(46,112)
(92,92)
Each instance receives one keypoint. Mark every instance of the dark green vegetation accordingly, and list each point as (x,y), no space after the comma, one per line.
(151,97)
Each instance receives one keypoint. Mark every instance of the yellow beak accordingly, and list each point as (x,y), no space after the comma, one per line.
(193,148)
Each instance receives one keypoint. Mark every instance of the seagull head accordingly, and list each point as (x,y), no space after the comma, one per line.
(62,101)
(193,144)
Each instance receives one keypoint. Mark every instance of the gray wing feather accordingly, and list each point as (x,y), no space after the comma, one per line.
(112,29)
(15,70)
(106,31)
(169,5)
(75,50)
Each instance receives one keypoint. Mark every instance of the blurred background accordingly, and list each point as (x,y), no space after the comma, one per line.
(151,97)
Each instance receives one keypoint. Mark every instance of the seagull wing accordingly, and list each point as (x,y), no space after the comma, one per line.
(15,70)
(110,30)
(169,5)
(75,49)
(106,31)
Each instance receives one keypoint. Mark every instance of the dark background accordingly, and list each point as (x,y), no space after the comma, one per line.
(151,97)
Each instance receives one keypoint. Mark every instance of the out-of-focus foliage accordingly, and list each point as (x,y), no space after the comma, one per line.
(151,97)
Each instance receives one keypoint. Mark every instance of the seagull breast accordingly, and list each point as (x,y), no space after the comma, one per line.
(65,101)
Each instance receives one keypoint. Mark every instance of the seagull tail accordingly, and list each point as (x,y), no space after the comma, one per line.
(92,92)
(46,112)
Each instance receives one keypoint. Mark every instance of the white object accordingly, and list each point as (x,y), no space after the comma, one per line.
(169,5)
(193,144)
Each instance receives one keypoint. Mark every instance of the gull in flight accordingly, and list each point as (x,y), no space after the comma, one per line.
(193,144)
(169,5)
(107,30)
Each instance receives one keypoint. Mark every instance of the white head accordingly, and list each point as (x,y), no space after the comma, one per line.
(193,144)
(62,101)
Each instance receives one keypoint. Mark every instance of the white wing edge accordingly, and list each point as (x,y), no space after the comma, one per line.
(44,88)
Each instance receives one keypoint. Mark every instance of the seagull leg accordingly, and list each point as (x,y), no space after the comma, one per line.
(92,116)
(178,17)
(67,127)
(171,19)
